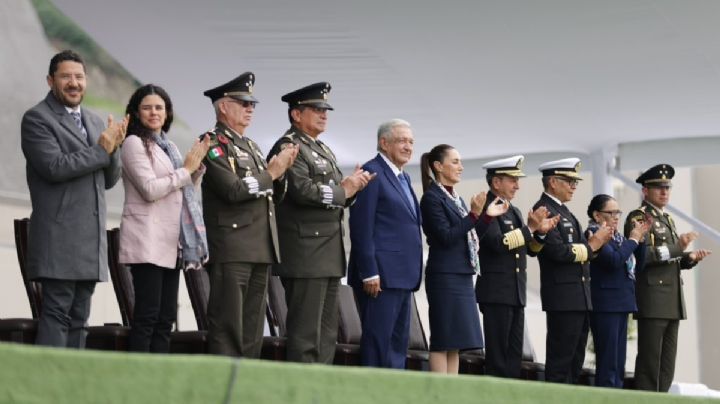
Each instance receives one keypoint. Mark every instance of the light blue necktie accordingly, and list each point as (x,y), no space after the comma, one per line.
(78,122)
(406,190)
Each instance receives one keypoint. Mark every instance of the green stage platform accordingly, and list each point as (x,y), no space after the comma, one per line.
(42,375)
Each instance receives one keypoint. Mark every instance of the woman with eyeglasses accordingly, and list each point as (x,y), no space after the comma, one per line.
(453,233)
(612,285)
(162,223)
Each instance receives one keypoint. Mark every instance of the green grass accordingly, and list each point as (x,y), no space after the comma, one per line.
(103,104)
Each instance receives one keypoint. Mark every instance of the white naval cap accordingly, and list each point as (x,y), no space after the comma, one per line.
(569,167)
(510,166)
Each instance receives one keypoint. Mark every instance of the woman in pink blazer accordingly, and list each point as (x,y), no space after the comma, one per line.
(162,222)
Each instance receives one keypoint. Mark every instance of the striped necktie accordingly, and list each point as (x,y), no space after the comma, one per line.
(78,122)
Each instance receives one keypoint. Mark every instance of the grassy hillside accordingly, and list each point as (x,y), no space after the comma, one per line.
(63,33)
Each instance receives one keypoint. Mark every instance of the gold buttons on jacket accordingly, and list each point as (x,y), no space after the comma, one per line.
(517,270)
(517,255)
(270,213)
(582,278)
(234,225)
(317,233)
(660,281)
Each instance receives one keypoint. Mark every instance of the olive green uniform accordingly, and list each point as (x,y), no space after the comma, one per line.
(659,298)
(310,218)
(243,240)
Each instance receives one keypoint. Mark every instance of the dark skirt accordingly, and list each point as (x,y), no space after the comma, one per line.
(454,316)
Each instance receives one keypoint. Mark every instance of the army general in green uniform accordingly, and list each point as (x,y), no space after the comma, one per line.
(239,215)
(658,285)
(310,216)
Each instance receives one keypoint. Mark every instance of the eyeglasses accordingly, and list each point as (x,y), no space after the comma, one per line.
(570,181)
(612,213)
(245,104)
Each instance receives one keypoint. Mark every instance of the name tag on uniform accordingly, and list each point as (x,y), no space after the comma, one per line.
(241,155)
(321,163)
(508,222)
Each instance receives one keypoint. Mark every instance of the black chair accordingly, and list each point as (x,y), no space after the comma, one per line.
(105,337)
(180,341)
(347,351)
(347,348)
(418,354)
(472,362)
(198,285)
(22,330)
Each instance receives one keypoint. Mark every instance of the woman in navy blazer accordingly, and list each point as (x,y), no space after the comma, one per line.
(612,274)
(452,232)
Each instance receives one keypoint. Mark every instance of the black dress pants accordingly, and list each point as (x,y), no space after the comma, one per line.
(156,292)
(567,335)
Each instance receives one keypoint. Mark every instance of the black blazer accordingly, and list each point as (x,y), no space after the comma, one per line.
(446,233)
(564,282)
(504,278)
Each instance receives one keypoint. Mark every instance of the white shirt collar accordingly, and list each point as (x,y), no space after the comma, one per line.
(554,198)
(71,110)
(392,165)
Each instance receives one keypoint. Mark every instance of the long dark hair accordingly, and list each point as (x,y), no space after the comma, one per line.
(427,160)
(135,126)
(597,203)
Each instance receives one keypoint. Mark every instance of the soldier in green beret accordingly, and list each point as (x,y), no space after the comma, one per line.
(658,285)
(240,219)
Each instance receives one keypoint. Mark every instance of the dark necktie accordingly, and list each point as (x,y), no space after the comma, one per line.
(78,122)
(406,190)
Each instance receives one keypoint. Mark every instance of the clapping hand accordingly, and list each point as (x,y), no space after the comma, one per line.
(497,207)
(477,203)
(354,183)
(195,156)
(598,239)
(540,222)
(114,134)
(280,162)
(698,255)
(686,238)
(640,228)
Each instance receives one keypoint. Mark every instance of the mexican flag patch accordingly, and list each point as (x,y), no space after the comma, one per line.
(215,152)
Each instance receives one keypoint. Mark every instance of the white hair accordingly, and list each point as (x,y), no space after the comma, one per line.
(385,129)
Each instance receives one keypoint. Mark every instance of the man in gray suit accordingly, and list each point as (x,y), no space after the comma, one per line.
(71,160)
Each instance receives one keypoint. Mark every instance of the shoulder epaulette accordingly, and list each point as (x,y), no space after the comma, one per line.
(636,214)
(211,133)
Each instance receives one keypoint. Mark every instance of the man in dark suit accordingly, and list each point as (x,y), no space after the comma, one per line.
(71,161)
(501,290)
(565,274)
(309,217)
(239,214)
(386,256)
(660,300)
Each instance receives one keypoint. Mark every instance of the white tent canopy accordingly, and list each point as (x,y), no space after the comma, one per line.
(490,77)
